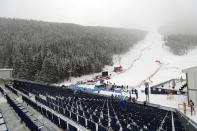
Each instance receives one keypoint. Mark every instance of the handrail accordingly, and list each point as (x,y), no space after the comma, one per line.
(192,122)
(173,128)
(163,121)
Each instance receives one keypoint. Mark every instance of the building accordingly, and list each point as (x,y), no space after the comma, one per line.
(6,73)
(118,68)
(191,78)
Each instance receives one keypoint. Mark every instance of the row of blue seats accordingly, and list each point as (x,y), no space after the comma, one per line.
(135,117)
(29,119)
(3,125)
(87,123)
(83,115)
(1,90)
(51,116)
(11,89)
(38,88)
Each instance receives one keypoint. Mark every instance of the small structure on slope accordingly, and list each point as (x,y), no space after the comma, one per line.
(6,73)
(118,68)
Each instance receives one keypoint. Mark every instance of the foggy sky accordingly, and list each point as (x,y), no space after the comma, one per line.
(143,14)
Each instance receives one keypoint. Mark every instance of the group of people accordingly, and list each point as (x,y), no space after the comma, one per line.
(134,91)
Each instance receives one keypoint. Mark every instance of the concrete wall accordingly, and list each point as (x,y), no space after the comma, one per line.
(192,86)
(5,74)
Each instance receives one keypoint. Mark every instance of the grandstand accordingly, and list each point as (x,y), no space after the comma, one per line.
(3,125)
(73,111)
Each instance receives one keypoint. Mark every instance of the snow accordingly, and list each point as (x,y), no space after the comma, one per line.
(78,79)
(140,62)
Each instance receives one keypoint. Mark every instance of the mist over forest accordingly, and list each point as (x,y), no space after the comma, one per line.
(180,37)
(47,52)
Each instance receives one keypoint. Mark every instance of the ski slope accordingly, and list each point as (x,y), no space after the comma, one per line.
(141,62)
(149,60)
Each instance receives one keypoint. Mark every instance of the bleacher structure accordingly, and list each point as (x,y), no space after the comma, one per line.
(73,111)
(3,126)
(158,89)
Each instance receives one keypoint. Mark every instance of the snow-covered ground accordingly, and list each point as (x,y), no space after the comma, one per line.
(147,52)
(141,63)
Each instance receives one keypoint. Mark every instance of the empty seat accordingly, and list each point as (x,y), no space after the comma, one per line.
(95,118)
(43,111)
(80,112)
(91,125)
(72,128)
(63,124)
(49,115)
(56,120)
(43,129)
(104,122)
(87,115)
(101,128)
(3,127)
(38,125)
(81,120)
(114,126)
(67,113)
(61,110)
(73,117)
(2,121)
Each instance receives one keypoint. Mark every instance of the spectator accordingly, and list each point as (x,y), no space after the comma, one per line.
(130,99)
(136,93)
(191,106)
(184,107)
(147,94)
(122,104)
(173,84)
(112,97)
(133,100)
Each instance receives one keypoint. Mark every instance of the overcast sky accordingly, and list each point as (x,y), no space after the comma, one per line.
(143,14)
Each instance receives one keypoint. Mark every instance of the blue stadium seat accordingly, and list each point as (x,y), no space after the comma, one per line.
(72,128)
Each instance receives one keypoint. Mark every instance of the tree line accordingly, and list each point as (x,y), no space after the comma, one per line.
(48,52)
(181,44)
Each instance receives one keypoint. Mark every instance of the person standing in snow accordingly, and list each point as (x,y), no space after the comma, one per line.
(130,98)
(122,104)
(136,93)
(173,84)
(184,107)
(112,97)
(181,79)
(191,106)
(146,84)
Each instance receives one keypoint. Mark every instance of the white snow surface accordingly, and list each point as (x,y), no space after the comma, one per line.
(140,62)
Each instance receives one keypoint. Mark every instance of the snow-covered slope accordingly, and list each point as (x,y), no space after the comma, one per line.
(150,60)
